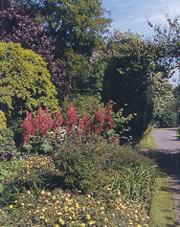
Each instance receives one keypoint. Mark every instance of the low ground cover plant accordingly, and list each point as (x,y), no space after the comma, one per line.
(40,205)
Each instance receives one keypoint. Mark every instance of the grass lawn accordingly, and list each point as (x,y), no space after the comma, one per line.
(147,142)
(161,212)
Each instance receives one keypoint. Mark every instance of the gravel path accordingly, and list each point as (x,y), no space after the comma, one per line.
(168,147)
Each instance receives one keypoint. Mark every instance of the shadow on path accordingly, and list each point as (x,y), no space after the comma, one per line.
(167,161)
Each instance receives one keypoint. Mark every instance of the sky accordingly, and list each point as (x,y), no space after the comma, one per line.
(134,15)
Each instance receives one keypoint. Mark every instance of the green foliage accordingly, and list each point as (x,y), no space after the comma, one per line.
(122,125)
(147,141)
(161,211)
(165,104)
(127,79)
(96,165)
(31,172)
(24,81)
(86,72)
(3,174)
(60,208)
(137,182)
(85,104)
(77,28)
(167,44)
(7,145)
(179,131)
(39,145)
(3,125)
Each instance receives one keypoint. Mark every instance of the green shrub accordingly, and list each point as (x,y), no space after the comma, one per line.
(24,81)
(3,173)
(137,182)
(30,172)
(85,104)
(7,144)
(2,121)
(95,165)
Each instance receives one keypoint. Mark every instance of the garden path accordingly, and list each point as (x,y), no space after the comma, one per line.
(168,148)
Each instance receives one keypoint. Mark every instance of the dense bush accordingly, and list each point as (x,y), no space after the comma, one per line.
(18,27)
(85,104)
(166,100)
(3,124)
(95,165)
(77,29)
(127,79)
(7,145)
(25,81)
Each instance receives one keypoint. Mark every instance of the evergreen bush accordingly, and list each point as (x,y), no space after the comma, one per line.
(25,82)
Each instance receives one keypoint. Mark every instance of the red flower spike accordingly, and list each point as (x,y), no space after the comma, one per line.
(58,122)
(71,118)
(85,125)
(28,127)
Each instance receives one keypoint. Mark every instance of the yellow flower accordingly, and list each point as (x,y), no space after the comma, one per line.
(11,206)
(82,225)
(61,221)
(42,192)
(92,222)
(88,216)
(65,208)
(77,205)
(106,221)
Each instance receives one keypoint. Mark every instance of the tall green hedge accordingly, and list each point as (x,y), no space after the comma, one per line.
(24,81)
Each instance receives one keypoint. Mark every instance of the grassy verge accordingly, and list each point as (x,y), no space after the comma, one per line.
(147,141)
(161,212)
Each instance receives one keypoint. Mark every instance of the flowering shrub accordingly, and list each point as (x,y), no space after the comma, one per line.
(43,207)
(85,125)
(57,208)
(71,118)
(40,124)
(44,122)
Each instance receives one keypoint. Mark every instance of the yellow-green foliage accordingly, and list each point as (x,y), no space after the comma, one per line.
(2,121)
(24,80)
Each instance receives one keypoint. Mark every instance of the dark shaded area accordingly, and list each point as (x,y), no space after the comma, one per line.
(167,161)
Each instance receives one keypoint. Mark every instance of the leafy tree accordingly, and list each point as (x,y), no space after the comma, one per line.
(77,29)
(167,40)
(17,27)
(24,81)
(165,109)
(127,79)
